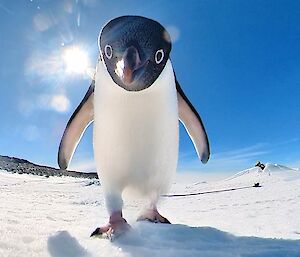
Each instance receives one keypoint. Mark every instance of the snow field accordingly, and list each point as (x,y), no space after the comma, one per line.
(55,216)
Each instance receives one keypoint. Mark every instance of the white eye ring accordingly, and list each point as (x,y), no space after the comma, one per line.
(108,51)
(159,56)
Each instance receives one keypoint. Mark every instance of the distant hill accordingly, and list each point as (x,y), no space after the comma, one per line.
(21,166)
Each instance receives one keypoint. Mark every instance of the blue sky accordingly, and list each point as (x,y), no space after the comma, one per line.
(237,61)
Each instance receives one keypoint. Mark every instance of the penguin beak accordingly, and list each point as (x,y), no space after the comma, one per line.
(128,65)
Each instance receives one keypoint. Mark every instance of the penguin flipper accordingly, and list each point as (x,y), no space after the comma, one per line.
(79,121)
(192,122)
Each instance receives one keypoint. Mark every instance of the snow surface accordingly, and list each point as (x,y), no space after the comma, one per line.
(54,217)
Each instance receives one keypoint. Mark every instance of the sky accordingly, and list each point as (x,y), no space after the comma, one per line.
(237,61)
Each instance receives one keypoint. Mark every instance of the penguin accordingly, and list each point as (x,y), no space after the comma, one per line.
(135,102)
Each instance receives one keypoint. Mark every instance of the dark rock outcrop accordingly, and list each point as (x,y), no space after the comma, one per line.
(21,166)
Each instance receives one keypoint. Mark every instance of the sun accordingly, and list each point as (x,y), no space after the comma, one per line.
(76,60)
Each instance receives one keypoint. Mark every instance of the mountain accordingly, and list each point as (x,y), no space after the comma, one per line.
(21,166)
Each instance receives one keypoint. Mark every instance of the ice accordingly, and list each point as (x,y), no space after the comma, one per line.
(54,217)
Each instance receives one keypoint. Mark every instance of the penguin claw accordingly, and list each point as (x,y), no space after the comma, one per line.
(96,232)
(162,220)
(110,232)
(154,217)
(103,235)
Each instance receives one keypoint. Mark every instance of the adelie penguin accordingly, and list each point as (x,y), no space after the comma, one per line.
(135,102)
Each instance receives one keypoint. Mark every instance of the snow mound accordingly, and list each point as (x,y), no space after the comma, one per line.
(157,240)
(181,240)
(62,244)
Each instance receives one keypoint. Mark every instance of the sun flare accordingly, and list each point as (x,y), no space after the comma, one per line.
(76,60)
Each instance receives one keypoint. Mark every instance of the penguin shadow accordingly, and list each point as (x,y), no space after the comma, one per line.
(151,240)
(62,244)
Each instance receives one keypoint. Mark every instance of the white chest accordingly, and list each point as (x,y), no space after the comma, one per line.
(135,133)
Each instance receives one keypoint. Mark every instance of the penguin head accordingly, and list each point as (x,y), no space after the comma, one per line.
(134,50)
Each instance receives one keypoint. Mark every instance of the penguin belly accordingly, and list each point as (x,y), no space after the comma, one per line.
(136,134)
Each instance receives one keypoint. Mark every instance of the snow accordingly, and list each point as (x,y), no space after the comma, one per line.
(54,217)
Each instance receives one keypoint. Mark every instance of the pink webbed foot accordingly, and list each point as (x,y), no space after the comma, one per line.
(117,226)
(153,216)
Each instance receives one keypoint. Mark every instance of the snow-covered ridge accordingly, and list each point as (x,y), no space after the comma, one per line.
(21,166)
(268,169)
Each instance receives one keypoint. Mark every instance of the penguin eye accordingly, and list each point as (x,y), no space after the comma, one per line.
(108,51)
(159,56)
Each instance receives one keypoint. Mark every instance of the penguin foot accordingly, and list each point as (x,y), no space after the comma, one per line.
(116,227)
(153,216)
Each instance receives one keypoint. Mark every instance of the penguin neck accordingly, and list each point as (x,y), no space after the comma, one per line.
(164,83)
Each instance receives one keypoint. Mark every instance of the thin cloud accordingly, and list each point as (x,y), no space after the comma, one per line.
(83,165)
(289,141)
(228,160)
(235,159)
(54,102)
(31,133)
(6,9)
(59,103)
